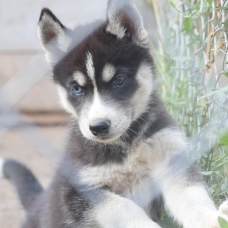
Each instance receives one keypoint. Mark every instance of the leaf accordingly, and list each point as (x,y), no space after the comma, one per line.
(222,136)
(225,73)
(207,173)
(216,91)
(197,6)
(173,4)
(187,24)
(221,164)
(221,8)
(181,58)
(168,223)
(222,222)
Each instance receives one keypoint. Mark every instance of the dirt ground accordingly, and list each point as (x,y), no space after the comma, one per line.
(41,156)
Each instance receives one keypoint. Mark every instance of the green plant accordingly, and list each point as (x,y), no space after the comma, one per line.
(222,222)
(191,57)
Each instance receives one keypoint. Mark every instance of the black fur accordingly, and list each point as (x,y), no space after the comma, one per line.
(104,49)
(154,119)
(95,154)
(27,186)
(46,11)
(156,208)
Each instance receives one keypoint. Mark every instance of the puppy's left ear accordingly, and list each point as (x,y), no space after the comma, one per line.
(54,37)
(125,21)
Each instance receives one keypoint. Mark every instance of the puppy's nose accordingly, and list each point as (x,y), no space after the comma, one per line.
(99,128)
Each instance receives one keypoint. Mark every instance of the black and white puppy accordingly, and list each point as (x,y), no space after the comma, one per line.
(126,156)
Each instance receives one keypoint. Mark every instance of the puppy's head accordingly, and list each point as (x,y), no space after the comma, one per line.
(103,70)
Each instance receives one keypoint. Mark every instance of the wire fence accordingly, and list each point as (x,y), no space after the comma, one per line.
(192,61)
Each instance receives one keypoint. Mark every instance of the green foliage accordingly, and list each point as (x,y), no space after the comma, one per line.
(187,24)
(194,11)
(221,8)
(189,100)
(185,61)
(223,136)
(216,91)
(222,222)
(168,223)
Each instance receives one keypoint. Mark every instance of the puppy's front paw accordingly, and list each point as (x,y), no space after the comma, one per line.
(211,218)
(223,210)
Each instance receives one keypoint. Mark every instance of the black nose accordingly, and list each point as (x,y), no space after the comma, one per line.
(99,128)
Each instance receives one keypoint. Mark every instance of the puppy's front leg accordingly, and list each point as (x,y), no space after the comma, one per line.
(187,199)
(115,211)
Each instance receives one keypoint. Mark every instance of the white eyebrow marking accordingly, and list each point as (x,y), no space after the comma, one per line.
(91,70)
(90,66)
(108,72)
(80,78)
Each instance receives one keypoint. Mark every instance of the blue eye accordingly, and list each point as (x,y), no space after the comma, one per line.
(77,90)
(119,80)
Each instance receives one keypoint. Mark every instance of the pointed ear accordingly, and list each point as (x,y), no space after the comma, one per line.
(124,20)
(54,37)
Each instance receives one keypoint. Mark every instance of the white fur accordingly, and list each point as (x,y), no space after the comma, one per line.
(108,72)
(2,161)
(90,68)
(146,86)
(190,205)
(49,56)
(138,172)
(143,193)
(141,36)
(64,101)
(118,212)
(115,28)
(52,25)
(62,41)
(223,210)
(115,21)
(80,78)
(99,109)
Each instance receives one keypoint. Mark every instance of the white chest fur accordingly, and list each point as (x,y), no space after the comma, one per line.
(138,177)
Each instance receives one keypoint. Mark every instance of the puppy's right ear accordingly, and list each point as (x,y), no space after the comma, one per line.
(124,20)
(54,37)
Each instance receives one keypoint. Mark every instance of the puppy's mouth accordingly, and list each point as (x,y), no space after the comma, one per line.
(106,139)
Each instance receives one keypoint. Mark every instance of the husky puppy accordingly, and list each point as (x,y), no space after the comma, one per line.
(126,156)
